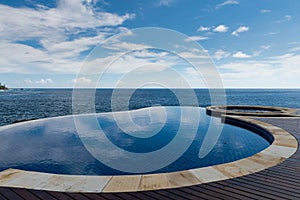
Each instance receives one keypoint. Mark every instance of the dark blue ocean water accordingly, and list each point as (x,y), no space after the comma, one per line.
(18,105)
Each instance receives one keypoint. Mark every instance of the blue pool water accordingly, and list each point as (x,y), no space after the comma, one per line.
(58,145)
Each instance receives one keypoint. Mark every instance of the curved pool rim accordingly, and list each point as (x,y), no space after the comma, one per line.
(283,146)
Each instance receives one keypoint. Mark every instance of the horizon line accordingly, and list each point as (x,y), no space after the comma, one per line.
(154,88)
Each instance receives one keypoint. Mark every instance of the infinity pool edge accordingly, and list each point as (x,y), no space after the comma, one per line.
(284,146)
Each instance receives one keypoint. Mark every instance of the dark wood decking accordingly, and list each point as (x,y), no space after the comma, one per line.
(279,182)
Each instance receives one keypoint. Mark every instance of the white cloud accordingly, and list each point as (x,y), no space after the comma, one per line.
(25,59)
(294,49)
(240,54)
(123,46)
(262,73)
(240,30)
(221,29)
(228,2)
(271,33)
(72,48)
(203,28)
(288,17)
(264,11)
(44,81)
(82,80)
(54,23)
(283,57)
(265,47)
(285,19)
(166,3)
(124,63)
(293,43)
(261,49)
(28,81)
(195,38)
(220,54)
(194,55)
(51,28)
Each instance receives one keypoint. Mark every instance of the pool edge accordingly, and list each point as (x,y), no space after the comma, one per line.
(284,146)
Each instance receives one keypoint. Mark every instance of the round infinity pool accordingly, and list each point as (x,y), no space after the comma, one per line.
(149,140)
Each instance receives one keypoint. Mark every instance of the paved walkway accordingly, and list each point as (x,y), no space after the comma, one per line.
(279,182)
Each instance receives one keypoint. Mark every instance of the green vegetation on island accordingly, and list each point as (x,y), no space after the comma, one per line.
(3,87)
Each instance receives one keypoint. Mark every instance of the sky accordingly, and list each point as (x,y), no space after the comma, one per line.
(251,43)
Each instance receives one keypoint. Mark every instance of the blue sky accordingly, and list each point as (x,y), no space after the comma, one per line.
(253,43)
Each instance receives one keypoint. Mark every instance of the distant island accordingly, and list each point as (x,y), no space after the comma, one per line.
(3,87)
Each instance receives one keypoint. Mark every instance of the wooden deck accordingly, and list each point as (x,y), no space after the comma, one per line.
(279,182)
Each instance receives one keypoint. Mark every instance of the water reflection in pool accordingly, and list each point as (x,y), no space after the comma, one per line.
(53,145)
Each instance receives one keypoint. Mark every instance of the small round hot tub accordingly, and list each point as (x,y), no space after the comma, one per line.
(264,111)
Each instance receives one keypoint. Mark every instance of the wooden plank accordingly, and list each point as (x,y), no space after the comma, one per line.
(148,195)
(262,188)
(9,194)
(94,196)
(292,159)
(78,196)
(178,193)
(282,180)
(202,195)
(25,194)
(276,184)
(42,194)
(223,193)
(2,197)
(288,171)
(207,191)
(289,165)
(128,196)
(167,194)
(253,194)
(60,195)
(111,196)
(281,176)
(210,192)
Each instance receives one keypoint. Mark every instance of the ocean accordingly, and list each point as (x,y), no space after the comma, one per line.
(20,105)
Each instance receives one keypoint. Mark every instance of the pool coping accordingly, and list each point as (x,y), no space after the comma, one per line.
(284,146)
